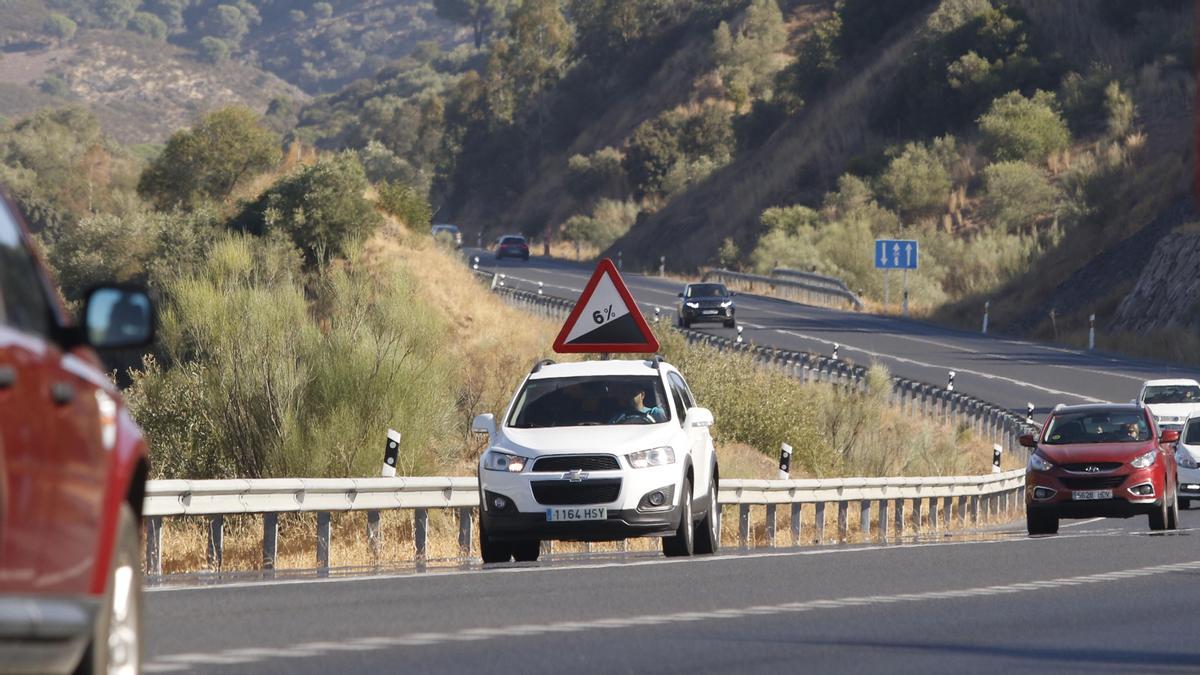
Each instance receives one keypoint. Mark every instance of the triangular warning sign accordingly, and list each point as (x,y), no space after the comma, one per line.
(606,318)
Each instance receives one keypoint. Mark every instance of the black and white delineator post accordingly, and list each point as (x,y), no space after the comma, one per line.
(950,381)
(739,335)
(1091,332)
(835,351)
(540,285)
(657,314)
(1029,414)
(987,305)
(475,263)
(997,451)
(391,454)
(785,461)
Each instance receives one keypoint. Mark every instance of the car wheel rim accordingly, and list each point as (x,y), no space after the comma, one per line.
(122,627)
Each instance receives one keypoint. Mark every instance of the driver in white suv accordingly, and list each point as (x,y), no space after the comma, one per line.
(598,451)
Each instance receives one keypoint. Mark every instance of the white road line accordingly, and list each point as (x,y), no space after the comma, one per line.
(173,662)
(1081,522)
(925,364)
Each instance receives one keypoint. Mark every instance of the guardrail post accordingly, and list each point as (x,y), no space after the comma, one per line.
(744,525)
(947,512)
(974,509)
(464,531)
(864,518)
(270,543)
(373,535)
(771,525)
(546,547)
(933,514)
(917,515)
(962,511)
(796,522)
(819,522)
(154,545)
(843,521)
(882,535)
(324,534)
(216,541)
(898,518)
(421,534)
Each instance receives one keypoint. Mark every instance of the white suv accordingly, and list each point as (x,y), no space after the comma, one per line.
(1170,401)
(598,451)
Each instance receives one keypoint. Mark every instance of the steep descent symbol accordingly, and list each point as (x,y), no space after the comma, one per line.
(605,318)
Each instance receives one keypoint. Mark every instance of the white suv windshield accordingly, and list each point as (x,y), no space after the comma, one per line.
(1175,393)
(590,401)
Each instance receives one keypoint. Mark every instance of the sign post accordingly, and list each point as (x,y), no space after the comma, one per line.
(606,318)
(896,254)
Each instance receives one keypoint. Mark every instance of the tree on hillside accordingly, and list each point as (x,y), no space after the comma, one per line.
(59,27)
(1019,128)
(321,207)
(116,13)
(535,56)
(653,150)
(481,15)
(149,25)
(170,11)
(917,180)
(208,161)
(747,56)
(605,28)
(1016,194)
(228,23)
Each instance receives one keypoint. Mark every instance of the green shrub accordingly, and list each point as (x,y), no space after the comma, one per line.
(59,27)
(1118,106)
(599,173)
(149,25)
(609,221)
(315,395)
(208,161)
(917,181)
(1016,195)
(747,56)
(406,204)
(1028,129)
(653,150)
(320,207)
(213,50)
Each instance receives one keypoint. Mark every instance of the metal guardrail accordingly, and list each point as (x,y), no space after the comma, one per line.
(810,277)
(792,289)
(990,494)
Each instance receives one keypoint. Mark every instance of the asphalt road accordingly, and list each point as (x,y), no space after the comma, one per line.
(1103,596)
(1007,372)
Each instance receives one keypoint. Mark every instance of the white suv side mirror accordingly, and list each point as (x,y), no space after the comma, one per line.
(699,417)
(484,424)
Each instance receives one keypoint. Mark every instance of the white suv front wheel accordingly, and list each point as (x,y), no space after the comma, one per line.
(682,542)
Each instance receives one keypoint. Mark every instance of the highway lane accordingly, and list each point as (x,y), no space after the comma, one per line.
(1103,596)
(1005,371)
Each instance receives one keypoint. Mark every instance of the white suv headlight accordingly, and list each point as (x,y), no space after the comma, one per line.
(1186,460)
(693,305)
(1143,461)
(727,303)
(494,460)
(1039,463)
(652,457)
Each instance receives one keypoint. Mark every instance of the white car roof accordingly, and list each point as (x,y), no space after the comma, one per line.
(587,368)
(1170,383)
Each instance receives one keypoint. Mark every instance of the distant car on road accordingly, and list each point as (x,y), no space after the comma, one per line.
(512,246)
(1170,401)
(450,231)
(1187,456)
(1104,460)
(599,451)
(706,302)
(72,473)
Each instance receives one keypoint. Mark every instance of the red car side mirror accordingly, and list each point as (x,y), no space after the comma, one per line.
(1169,436)
(1027,441)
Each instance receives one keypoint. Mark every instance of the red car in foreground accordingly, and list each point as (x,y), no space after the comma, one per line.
(1101,461)
(72,473)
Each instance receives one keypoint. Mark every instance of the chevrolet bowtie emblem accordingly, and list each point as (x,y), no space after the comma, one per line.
(575,475)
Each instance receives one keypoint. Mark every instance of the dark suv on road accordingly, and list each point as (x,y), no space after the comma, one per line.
(706,302)
(512,246)
(1101,461)
(72,473)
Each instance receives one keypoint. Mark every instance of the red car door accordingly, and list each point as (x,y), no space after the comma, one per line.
(28,475)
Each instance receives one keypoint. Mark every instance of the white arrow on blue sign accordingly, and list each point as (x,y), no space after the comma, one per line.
(896,254)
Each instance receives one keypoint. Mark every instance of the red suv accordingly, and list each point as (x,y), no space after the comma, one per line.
(1101,461)
(72,473)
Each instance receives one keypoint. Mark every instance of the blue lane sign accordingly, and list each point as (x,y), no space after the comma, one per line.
(896,254)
